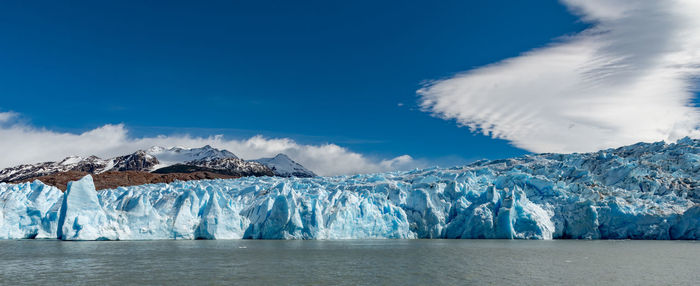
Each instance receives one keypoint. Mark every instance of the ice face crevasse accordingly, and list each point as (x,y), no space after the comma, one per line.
(28,210)
(643,191)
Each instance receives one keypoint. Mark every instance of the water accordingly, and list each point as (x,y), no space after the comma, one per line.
(358,262)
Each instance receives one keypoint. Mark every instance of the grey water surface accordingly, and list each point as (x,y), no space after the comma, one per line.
(352,262)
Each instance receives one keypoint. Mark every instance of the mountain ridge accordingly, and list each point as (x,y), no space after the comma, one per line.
(155,159)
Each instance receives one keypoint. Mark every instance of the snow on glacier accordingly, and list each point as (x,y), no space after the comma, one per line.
(643,191)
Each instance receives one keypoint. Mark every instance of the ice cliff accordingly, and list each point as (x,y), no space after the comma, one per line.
(643,191)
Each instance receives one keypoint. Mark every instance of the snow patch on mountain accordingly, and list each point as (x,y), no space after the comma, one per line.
(180,155)
(284,166)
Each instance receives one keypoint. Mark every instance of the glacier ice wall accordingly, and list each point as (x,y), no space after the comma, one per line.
(643,191)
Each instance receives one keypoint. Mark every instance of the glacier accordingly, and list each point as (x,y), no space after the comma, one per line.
(642,191)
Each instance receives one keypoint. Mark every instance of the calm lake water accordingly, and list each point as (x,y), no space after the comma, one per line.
(364,262)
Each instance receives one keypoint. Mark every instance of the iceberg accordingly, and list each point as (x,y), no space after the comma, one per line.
(642,191)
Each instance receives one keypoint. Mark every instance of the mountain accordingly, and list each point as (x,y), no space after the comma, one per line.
(205,159)
(159,160)
(284,166)
(225,166)
(180,155)
(234,165)
(216,159)
(138,161)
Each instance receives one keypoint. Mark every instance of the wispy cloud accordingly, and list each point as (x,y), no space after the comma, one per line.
(27,144)
(629,78)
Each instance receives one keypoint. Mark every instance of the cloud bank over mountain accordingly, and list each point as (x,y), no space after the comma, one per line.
(630,77)
(22,143)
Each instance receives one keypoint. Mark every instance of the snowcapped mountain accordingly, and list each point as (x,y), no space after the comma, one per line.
(137,161)
(207,158)
(164,160)
(180,155)
(284,166)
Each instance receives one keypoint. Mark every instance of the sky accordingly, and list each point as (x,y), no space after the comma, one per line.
(346,87)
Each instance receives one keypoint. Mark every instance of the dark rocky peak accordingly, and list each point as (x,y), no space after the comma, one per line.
(138,161)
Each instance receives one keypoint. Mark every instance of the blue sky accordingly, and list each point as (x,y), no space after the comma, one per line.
(313,71)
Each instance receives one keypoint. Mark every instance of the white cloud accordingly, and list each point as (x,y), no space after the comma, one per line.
(629,78)
(26,144)
(7,116)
